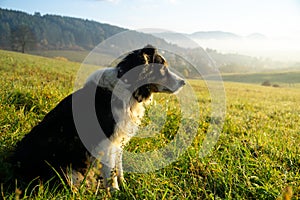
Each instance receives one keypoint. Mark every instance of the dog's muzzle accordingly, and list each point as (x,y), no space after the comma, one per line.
(172,83)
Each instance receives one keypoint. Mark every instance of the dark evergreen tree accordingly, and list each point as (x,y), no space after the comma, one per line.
(22,38)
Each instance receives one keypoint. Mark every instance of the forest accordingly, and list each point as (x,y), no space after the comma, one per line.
(48,32)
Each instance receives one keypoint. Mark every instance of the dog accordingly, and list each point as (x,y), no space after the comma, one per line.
(65,145)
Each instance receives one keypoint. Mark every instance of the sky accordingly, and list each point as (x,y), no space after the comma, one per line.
(274,18)
(277,19)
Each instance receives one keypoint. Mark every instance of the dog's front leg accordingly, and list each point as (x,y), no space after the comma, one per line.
(109,168)
(119,166)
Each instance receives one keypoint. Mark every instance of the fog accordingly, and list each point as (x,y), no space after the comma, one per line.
(278,49)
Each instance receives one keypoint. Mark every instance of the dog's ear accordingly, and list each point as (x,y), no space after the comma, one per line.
(150,51)
(136,58)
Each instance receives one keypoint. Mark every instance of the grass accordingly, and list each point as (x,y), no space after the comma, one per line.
(77,56)
(257,155)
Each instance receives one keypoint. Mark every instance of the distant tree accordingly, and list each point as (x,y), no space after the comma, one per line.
(37,14)
(5,35)
(266,83)
(22,38)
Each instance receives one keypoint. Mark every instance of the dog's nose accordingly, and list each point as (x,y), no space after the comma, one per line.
(182,82)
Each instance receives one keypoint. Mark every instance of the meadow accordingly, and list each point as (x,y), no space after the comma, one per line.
(257,155)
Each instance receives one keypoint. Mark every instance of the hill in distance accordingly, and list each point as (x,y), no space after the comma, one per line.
(52,31)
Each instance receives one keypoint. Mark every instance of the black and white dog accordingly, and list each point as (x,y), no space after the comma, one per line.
(67,140)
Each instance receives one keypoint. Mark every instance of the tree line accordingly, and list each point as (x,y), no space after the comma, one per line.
(21,31)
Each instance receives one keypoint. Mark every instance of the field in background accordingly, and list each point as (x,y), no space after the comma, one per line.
(280,78)
(257,155)
(76,56)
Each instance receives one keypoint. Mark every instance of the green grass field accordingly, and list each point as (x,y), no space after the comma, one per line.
(257,155)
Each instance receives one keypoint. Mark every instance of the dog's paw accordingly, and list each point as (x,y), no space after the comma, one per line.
(121,180)
(114,188)
(114,185)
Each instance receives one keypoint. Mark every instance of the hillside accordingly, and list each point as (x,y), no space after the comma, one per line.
(53,32)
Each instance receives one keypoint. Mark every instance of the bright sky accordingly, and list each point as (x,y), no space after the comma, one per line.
(273,18)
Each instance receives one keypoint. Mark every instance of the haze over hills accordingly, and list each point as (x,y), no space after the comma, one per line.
(254,44)
(217,35)
(221,35)
(209,35)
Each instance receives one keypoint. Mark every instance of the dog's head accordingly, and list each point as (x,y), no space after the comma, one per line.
(147,72)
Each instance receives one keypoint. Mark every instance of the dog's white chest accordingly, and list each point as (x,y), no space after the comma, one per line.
(129,118)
